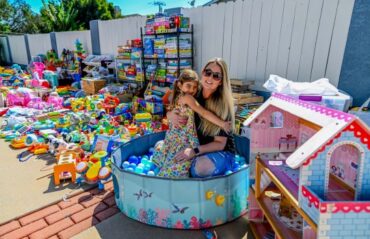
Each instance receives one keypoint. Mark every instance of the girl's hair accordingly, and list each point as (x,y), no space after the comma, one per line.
(220,102)
(185,76)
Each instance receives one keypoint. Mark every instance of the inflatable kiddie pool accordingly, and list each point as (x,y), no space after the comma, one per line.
(178,203)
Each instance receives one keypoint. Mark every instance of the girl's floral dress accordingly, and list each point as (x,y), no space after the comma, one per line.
(176,140)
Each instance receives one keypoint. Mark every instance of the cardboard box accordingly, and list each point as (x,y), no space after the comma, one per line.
(91,86)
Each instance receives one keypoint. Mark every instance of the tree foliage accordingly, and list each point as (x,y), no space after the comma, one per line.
(55,15)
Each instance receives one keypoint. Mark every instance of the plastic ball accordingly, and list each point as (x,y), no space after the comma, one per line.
(144,161)
(141,165)
(147,167)
(133,159)
(151,173)
(132,165)
(130,169)
(139,170)
(228,172)
(125,164)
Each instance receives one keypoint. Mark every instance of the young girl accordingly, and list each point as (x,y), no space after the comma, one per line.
(179,138)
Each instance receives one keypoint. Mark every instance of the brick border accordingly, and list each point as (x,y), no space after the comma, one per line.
(64,219)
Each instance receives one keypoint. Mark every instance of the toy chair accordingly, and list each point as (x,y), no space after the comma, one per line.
(65,168)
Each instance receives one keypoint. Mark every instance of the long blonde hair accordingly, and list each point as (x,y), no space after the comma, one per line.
(220,102)
(185,76)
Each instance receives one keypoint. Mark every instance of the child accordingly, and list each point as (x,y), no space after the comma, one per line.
(179,138)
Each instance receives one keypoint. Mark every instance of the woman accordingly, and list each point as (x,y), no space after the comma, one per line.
(213,156)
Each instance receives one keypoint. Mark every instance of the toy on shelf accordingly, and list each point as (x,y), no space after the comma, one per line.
(317,159)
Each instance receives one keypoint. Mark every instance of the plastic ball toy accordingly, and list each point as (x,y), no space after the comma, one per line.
(139,170)
(133,159)
(228,172)
(151,173)
(126,164)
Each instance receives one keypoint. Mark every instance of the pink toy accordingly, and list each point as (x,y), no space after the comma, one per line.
(39,67)
(37,103)
(55,101)
(16,98)
(40,83)
(317,160)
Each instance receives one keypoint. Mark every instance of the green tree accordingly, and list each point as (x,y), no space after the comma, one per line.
(21,18)
(94,9)
(59,16)
(65,15)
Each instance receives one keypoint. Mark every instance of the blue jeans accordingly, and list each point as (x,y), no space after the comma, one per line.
(211,164)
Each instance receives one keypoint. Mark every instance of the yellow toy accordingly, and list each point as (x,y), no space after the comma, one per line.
(19,143)
(143,117)
(78,104)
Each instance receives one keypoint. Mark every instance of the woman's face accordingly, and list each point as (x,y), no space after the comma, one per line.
(211,78)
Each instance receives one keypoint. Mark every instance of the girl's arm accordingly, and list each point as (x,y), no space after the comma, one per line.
(208,115)
(218,144)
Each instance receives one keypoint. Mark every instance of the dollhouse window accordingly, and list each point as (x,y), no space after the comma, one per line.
(277,120)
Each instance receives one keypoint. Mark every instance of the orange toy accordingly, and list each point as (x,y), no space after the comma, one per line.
(110,103)
(38,148)
(65,168)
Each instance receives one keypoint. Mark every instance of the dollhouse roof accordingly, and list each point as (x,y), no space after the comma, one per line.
(331,121)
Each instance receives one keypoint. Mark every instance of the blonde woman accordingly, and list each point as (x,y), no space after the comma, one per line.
(213,156)
(179,138)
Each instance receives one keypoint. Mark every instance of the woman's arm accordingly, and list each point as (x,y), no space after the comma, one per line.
(218,144)
(208,115)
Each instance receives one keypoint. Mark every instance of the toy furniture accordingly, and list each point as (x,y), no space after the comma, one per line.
(66,163)
(65,168)
(323,184)
(164,202)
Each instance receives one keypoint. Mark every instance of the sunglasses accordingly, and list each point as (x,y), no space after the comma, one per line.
(215,75)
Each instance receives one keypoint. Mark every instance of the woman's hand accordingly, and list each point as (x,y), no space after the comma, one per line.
(227,126)
(184,155)
(176,119)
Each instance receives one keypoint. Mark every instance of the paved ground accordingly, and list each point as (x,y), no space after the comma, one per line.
(65,218)
(121,227)
(28,186)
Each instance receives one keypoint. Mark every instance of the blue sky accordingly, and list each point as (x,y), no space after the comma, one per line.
(134,6)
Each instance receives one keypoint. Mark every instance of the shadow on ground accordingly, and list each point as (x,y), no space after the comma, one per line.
(121,227)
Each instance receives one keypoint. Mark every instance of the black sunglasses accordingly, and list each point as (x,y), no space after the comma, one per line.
(215,75)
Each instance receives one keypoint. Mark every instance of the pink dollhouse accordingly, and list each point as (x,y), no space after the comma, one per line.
(312,177)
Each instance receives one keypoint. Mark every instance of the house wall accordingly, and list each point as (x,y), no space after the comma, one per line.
(265,137)
(316,174)
(310,209)
(344,225)
(313,175)
(305,133)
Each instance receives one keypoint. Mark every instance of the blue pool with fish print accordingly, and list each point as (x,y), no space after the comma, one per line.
(178,203)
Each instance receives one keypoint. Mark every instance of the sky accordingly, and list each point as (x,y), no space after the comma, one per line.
(142,7)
